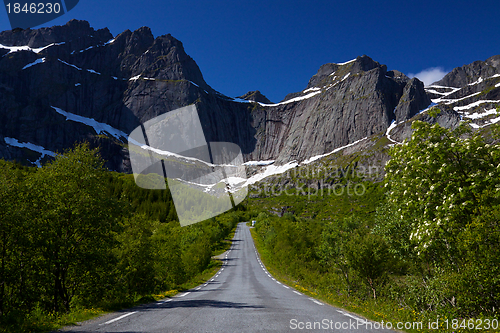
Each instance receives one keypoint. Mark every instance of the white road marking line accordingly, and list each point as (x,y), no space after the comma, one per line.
(198,288)
(121,317)
(285,286)
(278,282)
(222,269)
(184,294)
(273,279)
(163,302)
(295,291)
(212,280)
(317,302)
(206,284)
(349,315)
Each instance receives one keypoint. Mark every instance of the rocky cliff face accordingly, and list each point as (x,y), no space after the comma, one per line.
(121,82)
(342,103)
(71,83)
(462,76)
(468,93)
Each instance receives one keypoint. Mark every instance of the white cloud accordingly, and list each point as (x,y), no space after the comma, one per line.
(429,75)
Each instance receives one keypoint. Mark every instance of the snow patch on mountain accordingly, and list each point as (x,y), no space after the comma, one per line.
(270,170)
(64,62)
(15,143)
(317,157)
(311,89)
(258,163)
(296,99)
(473,105)
(477,115)
(13,49)
(36,62)
(98,127)
(388,132)
(347,62)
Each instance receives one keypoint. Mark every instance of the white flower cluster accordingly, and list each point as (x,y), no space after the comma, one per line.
(437,178)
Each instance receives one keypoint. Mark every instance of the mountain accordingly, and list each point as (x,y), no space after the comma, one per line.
(255,96)
(341,104)
(70,83)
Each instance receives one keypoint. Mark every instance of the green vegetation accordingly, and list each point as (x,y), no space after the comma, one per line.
(76,240)
(443,204)
(422,246)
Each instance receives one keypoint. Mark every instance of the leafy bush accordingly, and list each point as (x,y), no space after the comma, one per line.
(74,235)
(442,209)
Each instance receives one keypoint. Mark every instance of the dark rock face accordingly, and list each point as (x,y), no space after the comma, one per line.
(78,33)
(120,82)
(470,92)
(255,96)
(127,80)
(352,101)
(413,100)
(467,74)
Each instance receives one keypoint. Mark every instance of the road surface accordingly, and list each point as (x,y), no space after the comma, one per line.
(241,297)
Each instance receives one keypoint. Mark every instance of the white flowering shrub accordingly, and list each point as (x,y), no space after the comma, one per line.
(437,184)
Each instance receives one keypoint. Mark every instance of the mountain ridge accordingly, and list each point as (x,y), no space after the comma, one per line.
(125,80)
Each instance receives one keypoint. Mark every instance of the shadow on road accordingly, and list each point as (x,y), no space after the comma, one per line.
(210,304)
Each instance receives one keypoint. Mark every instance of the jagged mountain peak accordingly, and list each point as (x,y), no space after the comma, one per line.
(361,64)
(403,97)
(80,81)
(76,31)
(136,54)
(332,74)
(255,96)
(120,82)
(398,76)
(470,73)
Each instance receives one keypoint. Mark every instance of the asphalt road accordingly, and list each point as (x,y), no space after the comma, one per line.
(241,297)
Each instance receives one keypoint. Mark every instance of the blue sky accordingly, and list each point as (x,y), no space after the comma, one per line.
(276,46)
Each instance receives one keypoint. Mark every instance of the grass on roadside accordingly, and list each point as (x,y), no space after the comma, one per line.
(380,310)
(225,244)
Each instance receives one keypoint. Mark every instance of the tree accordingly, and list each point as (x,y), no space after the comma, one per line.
(333,249)
(369,257)
(443,203)
(15,249)
(437,183)
(135,255)
(168,264)
(74,218)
